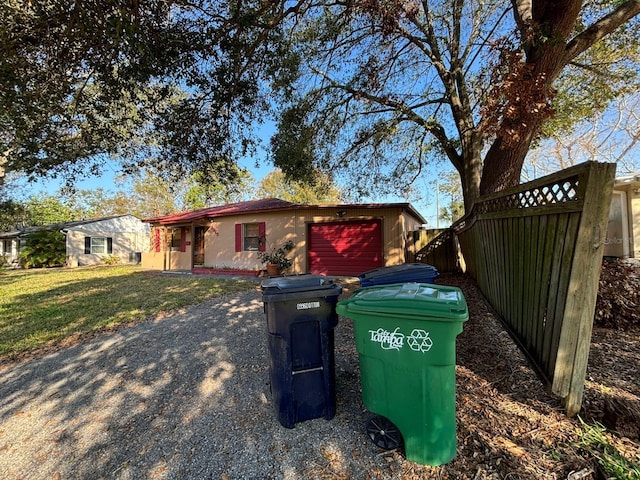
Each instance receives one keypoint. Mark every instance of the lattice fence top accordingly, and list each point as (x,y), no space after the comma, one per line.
(553,193)
(434,244)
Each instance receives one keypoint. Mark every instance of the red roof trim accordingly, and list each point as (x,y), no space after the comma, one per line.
(267,205)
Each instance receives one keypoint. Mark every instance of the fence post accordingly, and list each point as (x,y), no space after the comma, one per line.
(575,336)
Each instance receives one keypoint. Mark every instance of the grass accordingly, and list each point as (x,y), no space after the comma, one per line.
(45,306)
(611,461)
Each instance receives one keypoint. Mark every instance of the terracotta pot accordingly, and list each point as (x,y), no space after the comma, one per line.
(273,269)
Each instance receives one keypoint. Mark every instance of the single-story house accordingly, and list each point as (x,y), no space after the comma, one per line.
(623,230)
(89,242)
(343,239)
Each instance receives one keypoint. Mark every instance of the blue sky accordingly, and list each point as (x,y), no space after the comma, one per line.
(107,182)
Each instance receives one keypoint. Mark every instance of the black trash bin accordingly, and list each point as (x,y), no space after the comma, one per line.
(301,316)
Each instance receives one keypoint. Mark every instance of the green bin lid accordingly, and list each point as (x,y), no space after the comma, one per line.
(408,300)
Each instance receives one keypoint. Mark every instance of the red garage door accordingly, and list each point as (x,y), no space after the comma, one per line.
(344,248)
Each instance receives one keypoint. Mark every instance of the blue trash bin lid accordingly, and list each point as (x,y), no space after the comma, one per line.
(394,269)
(409,272)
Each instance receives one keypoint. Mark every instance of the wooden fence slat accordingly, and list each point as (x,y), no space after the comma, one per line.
(539,229)
(573,349)
(546,244)
(566,259)
(520,277)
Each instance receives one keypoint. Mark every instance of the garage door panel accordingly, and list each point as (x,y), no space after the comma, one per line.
(345,248)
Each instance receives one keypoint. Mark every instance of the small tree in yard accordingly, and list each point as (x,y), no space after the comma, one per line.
(45,248)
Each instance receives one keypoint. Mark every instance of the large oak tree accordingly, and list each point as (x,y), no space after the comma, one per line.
(400,83)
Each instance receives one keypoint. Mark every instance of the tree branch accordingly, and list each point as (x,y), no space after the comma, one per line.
(601,28)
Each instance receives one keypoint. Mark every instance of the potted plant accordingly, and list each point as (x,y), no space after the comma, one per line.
(276,259)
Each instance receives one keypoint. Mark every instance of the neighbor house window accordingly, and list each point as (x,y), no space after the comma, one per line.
(98,245)
(250,237)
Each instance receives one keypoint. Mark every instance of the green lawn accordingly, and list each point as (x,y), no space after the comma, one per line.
(44,306)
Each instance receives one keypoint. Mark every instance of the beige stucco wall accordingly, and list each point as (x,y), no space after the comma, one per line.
(153,260)
(168,258)
(220,239)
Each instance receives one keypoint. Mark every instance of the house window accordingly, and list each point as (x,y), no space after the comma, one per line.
(250,237)
(98,245)
(178,239)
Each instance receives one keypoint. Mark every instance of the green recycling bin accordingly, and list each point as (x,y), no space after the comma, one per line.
(406,340)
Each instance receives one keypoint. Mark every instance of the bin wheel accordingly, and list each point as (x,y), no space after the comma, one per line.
(384,433)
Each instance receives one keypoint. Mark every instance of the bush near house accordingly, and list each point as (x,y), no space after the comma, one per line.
(45,248)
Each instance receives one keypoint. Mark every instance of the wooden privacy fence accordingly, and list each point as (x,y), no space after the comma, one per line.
(441,252)
(535,252)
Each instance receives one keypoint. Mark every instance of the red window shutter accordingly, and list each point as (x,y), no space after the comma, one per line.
(183,239)
(157,239)
(262,231)
(238,237)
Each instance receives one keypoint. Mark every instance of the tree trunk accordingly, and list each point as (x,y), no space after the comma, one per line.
(503,162)
(470,176)
(528,94)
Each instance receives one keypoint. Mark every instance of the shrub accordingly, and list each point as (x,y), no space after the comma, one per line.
(111,260)
(45,248)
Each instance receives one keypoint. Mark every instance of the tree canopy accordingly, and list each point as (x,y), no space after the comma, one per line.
(171,84)
(379,89)
(321,190)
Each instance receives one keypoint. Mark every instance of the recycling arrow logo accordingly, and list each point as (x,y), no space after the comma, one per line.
(419,341)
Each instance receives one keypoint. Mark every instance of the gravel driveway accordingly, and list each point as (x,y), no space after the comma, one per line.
(186,396)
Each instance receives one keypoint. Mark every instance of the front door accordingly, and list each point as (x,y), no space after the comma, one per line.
(198,246)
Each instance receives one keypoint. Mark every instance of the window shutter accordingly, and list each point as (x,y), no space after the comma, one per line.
(238,237)
(262,241)
(183,239)
(157,239)
(87,244)
(109,245)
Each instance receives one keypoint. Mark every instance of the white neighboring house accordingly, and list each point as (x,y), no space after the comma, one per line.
(90,242)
